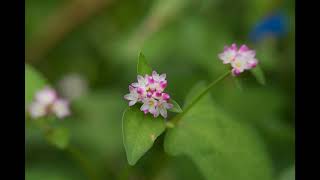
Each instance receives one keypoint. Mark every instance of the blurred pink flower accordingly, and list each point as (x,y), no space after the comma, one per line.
(47,102)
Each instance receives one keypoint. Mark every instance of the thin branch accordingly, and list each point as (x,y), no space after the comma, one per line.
(60,24)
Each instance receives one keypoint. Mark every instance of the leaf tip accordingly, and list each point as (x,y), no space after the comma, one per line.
(141,54)
(131,163)
(142,66)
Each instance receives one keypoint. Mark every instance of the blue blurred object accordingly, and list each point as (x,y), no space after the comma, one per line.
(274,25)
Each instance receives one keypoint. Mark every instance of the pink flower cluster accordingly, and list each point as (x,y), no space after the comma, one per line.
(149,90)
(47,102)
(240,59)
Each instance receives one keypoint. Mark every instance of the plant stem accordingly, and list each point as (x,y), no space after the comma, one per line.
(60,24)
(177,118)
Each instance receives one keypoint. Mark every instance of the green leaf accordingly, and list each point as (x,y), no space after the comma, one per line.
(176,107)
(139,132)
(34,82)
(220,147)
(58,137)
(143,67)
(259,75)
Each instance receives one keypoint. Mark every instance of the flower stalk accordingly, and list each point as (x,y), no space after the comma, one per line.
(177,118)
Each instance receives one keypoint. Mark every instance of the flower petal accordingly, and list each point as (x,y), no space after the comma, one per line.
(133,102)
(140,79)
(235,72)
(154,111)
(163,77)
(168,105)
(163,112)
(37,110)
(243,48)
(234,47)
(145,106)
(61,108)
(46,96)
(130,97)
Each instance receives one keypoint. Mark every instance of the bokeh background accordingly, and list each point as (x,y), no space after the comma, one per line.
(88,50)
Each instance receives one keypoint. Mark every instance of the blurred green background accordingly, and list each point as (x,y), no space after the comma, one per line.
(88,50)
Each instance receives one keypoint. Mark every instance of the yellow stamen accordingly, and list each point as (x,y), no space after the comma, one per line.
(238,64)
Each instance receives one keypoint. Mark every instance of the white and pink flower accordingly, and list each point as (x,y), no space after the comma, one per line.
(229,54)
(149,90)
(46,96)
(150,105)
(162,106)
(46,103)
(60,108)
(133,97)
(240,59)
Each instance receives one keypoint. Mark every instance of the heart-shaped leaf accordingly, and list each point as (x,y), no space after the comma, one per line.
(222,148)
(139,132)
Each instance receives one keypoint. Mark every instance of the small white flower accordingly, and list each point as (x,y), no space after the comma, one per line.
(133,97)
(229,53)
(149,105)
(158,78)
(141,82)
(163,106)
(240,64)
(37,110)
(61,108)
(46,96)
(160,82)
